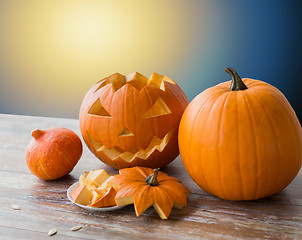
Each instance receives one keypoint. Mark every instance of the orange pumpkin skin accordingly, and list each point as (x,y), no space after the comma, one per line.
(131,120)
(53,153)
(145,187)
(241,145)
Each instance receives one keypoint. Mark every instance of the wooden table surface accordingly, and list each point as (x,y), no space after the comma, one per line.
(45,205)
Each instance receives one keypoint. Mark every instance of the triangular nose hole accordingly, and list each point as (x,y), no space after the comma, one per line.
(125,132)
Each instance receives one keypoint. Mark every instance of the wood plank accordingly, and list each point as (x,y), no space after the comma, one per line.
(204,215)
(46,206)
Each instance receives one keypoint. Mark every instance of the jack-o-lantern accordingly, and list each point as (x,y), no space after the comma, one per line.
(131,120)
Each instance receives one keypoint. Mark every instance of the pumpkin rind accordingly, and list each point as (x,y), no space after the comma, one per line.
(241,145)
(133,188)
(131,120)
(53,153)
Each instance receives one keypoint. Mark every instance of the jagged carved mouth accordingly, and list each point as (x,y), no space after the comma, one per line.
(128,156)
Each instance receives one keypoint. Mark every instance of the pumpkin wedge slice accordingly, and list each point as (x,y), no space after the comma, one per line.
(94,190)
(103,200)
(81,195)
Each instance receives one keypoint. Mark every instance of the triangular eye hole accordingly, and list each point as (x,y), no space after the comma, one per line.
(158,109)
(98,109)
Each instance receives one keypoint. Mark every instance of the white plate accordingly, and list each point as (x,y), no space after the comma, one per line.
(94,209)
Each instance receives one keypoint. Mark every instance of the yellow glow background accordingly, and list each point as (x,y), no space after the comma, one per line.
(52,52)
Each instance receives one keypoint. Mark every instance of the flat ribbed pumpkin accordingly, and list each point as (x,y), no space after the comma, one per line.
(146,187)
(241,140)
(131,120)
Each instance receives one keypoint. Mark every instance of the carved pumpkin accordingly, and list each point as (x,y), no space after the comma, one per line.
(132,120)
(241,143)
(146,187)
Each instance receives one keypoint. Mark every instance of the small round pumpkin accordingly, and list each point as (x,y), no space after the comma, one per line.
(131,120)
(241,140)
(53,153)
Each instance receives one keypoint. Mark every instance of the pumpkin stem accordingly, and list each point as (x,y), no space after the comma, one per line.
(37,133)
(152,179)
(237,83)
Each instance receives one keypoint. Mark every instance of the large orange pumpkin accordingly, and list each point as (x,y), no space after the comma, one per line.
(241,143)
(131,120)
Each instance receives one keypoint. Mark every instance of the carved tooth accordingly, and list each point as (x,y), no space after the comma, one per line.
(103,83)
(127,156)
(96,144)
(156,80)
(117,80)
(111,153)
(137,80)
(144,154)
(101,148)
(154,142)
(167,79)
(165,141)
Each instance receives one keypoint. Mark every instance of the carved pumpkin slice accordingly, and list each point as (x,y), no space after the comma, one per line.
(103,198)
(94,190)
(146,187)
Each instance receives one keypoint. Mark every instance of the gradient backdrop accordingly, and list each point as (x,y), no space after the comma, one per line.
(52,52)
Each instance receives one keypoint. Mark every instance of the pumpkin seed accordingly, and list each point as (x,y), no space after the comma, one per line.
(76,228)
(52,232)
(16,207)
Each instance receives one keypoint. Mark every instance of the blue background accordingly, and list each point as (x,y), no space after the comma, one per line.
(261,40)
